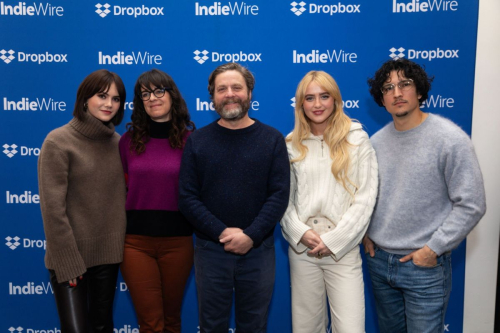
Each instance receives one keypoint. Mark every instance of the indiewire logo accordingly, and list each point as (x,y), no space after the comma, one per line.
(426,54)
(217,9)
(8,56)
(416,6)
(438,102)
(13,243)
(103,10)
(209,106)
(314,57)
(125,329)
(135,58)
(339,8)
(25,198)
(202,56)
(38,104)
(30,289)
(11,150)
(347,104)
(21,9)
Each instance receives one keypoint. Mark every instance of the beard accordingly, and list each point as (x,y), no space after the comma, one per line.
(234,114)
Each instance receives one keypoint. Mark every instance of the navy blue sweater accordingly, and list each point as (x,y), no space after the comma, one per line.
(234,178)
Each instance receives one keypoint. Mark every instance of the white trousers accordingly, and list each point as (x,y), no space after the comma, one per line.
(313,279)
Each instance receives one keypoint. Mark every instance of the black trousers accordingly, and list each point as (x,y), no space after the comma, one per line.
(88,307)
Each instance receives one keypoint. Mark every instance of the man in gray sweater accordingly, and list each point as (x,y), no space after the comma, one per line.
(431,195)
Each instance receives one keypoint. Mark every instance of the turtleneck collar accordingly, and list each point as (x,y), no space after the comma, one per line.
(159,130)
(92,127)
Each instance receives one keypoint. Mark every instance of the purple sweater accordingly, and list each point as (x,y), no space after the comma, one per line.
(153,186)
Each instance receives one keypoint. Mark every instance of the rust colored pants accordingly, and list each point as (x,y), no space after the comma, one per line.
(156,270)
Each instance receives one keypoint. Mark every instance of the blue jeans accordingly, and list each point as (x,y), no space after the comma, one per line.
(409,298)
(218,272)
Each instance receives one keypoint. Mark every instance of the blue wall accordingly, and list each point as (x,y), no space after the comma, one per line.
(47,48)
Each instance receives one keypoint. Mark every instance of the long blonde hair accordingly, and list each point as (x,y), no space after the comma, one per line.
(335,135)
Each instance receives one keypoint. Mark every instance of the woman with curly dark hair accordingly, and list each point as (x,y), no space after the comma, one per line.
(158,252)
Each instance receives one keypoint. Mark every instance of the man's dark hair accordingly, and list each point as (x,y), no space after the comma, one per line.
(409,70)
(231,66)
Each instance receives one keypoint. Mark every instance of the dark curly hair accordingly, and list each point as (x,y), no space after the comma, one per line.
(409,69)
(139,127)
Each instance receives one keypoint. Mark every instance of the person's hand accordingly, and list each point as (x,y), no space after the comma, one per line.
(320,251)
(369,246)
(310,239)
(238,243)
(228,231)
(423,257)
(74,282)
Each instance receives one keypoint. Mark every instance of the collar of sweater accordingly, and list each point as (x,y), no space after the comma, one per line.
(159,130)
(92,127)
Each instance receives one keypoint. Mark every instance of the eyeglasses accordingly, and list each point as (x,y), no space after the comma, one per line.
(402,85)
(158,92)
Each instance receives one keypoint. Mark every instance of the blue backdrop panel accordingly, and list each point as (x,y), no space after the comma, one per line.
(47,48)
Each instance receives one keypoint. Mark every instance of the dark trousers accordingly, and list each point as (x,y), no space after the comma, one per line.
(88,307)
(251,276)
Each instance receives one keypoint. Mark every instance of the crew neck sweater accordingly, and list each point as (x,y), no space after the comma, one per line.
(431,188)
(82,197)
(153,185)
(234,178)
(314,192)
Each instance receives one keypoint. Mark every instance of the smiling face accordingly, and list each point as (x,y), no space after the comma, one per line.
(158,108)
(104,105)
(399,103)
(231,96)
(318,106)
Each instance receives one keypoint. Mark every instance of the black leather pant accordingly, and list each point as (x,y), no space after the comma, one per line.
(88,307)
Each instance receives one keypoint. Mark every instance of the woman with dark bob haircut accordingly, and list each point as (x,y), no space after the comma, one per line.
(82,198)
(159,244)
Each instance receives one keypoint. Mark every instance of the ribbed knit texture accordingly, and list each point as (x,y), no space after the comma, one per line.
(431,187)
(82,197)
(234,178)
(314,192)
(153,185)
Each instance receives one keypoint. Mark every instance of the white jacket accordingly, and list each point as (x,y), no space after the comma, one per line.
(314,192)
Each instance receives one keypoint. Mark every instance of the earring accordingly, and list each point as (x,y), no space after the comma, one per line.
(85,106)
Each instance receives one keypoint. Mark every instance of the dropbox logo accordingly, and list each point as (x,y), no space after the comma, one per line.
(7,56)
(201,59)
(16,329)
(203,56)
(293,102)
(12,242)
(423,54)
(300,10)
(396,53)
(333,9)
(103,12)
(10,151)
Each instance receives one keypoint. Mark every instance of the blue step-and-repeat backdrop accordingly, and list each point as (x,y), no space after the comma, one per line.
(47,48)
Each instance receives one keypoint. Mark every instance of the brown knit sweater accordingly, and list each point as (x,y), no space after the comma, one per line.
(82,197)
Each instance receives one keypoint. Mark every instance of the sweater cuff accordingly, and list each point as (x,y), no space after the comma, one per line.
(67,264)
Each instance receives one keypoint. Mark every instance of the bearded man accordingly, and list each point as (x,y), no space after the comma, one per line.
(234,188)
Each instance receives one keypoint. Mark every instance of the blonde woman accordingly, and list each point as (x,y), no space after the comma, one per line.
(332,195)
